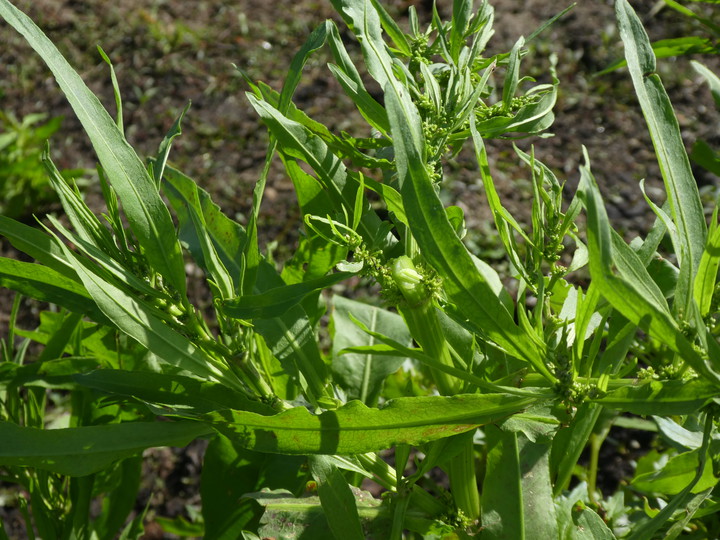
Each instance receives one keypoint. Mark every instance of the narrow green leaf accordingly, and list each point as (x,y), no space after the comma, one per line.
(39,245)
(85,450)
(47,285)
(707,272)
(276,301)
(680,185)
(364,21)
(222,281)
(87,225)
(692,506)
(338,503)
(116,90)
(633,294)
(355,428)
(228,237)
(171,393)
(666,398)
(347,75)
(569,443)
(712,80)
(503,514)
(462,12)
(160,161)
(298,142)
(314,41)
(146,212)
(392,29)
(668,48)
(130,281)
(291,338)
(512,76)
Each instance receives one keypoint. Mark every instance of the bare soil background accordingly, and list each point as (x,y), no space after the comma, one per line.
(167,53)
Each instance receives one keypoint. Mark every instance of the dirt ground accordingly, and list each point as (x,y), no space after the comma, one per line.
(167,53)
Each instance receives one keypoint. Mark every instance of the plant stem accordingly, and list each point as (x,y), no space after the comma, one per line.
(419,313)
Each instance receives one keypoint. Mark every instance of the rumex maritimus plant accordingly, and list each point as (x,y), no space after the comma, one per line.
(501,393)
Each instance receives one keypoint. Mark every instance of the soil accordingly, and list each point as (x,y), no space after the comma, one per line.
(167,53)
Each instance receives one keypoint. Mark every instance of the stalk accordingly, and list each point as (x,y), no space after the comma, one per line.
(418,310)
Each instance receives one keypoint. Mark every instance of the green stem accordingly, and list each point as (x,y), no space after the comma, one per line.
(422,320)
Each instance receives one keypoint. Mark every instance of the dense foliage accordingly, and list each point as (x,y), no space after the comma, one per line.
(446,369)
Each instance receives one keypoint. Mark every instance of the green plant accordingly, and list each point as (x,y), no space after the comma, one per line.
(709,43)
(24,184)
(701,154)
(501,393)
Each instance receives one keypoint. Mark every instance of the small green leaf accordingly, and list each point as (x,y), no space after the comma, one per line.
(675,475)
(588,524)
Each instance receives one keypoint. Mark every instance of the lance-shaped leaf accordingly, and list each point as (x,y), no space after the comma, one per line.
(47,285)
(708,271)
(39,245)
(667,398)
(174,393)
(84,450)
(464,285)
(356,429)
(275,302)
(680,185)
(147,214)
